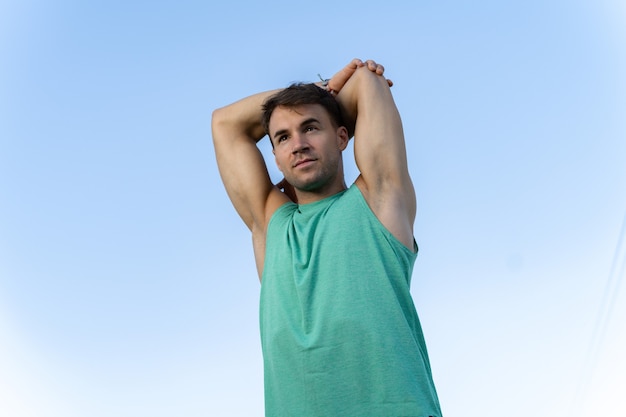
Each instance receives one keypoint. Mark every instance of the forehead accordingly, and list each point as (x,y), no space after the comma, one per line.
(284,117)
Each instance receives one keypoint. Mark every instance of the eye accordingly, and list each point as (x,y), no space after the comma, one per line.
(282,138)
(310,128)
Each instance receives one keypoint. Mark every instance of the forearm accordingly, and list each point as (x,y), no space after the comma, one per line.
(365,87)
(241,119)
(379,147)
(347,99)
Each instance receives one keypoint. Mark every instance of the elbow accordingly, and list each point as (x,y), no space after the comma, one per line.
(219,123)
(218,118)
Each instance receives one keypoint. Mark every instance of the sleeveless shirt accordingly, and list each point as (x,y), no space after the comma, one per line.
(339,331)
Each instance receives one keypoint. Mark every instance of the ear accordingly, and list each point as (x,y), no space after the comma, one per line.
(342,137)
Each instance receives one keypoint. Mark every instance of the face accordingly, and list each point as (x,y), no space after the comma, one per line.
(307,147)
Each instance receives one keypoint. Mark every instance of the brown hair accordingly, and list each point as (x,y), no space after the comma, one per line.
(299,94)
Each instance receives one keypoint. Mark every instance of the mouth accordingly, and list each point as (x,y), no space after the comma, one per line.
(303,162)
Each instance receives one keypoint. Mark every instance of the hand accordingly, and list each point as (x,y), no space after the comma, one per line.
(338,80)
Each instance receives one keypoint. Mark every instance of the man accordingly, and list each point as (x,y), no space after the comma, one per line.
(339,331)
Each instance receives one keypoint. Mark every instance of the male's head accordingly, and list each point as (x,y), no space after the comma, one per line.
(306,129)
(298,94)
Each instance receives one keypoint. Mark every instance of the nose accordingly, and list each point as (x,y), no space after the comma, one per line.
(299,143)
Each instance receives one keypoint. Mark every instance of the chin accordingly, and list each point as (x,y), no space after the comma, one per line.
(310,186)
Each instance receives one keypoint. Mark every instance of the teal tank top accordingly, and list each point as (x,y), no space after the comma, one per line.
(339,330)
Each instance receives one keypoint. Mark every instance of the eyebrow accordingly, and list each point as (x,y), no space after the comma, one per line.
(304,123)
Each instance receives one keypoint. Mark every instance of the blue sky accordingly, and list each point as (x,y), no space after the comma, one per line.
(127,283)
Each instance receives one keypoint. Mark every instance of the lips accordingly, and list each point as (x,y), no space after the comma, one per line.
(302,162)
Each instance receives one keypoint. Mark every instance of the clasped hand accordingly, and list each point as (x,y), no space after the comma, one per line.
(338,80)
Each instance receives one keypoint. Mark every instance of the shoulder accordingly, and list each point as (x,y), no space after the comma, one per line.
(281,214)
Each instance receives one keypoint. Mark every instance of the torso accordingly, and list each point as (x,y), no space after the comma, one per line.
(335,305)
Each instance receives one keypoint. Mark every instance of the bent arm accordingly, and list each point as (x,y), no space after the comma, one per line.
(380,152)
(236,130)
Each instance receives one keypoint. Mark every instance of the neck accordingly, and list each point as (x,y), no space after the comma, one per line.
(307,197)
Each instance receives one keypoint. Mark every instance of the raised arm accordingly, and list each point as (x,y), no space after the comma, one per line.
(236,130)
(379,150)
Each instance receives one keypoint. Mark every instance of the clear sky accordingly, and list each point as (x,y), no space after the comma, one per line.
(127,283)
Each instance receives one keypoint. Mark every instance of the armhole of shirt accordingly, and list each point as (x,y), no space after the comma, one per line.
(275,217)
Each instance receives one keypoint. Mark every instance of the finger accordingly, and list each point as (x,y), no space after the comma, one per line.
(338,80)
(356,63)
(374,67)
(353,65)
